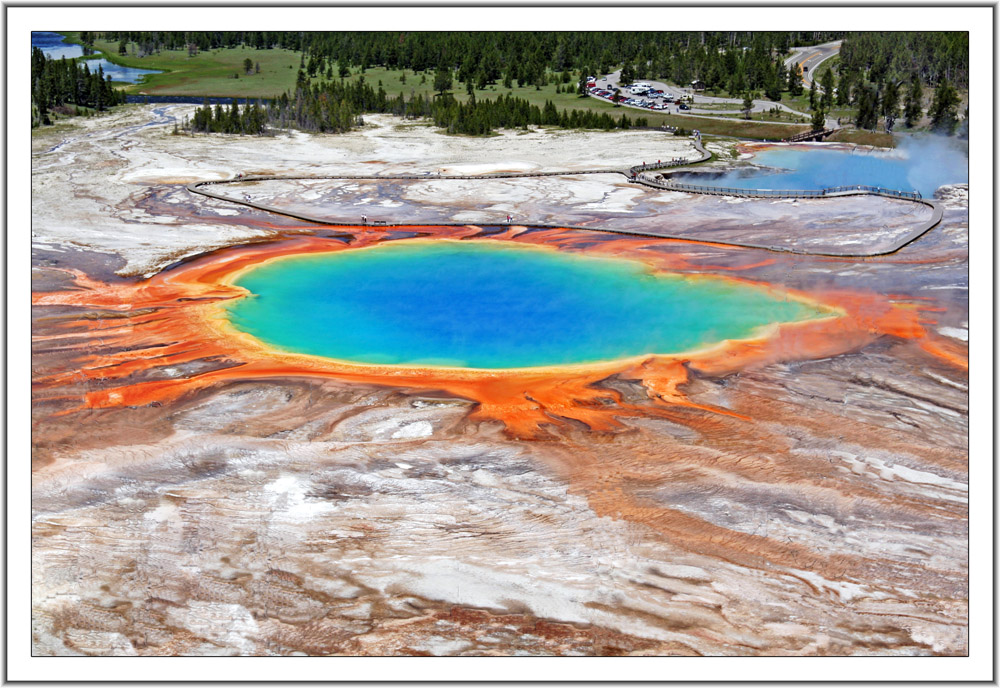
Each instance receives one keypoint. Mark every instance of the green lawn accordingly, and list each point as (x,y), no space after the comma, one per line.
(719,106)
(735,127)
(768,117)
(801,103)
(393,86)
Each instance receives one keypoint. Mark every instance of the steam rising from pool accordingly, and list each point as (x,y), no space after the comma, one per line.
(921,163)
(934,161)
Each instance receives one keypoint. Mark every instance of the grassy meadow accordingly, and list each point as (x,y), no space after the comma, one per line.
(209,73)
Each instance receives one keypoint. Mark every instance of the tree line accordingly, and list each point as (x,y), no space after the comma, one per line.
(876,74)
(155,41)
(883,75)
(931,56)
(61,83)
(421,50)
(251,119)
(736,60)
(337,107)
(480,117)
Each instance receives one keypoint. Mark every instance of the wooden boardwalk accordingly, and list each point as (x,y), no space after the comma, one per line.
(633,174)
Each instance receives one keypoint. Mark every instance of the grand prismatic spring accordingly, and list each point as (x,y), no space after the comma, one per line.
(611,425)
(493,305)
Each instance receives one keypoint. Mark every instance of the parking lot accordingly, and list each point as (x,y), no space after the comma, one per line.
(641,94)
(656,96)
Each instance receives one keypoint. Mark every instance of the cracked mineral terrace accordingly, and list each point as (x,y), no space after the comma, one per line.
(196,494)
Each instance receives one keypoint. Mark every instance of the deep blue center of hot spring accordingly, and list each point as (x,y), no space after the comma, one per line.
(484,304)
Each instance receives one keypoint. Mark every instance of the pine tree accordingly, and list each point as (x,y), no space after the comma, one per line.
(628,74)
(913,110)
(442,80)
(868,107)
(812,95)
(818,120)
(795,80)
(944,108)
(890,104)
(826,83)
(844,89)
(772,89)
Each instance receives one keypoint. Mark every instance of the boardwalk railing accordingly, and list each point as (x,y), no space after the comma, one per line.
(659,165)
(792,193)
(673,162)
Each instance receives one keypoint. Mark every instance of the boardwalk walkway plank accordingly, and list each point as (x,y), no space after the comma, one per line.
(633,174)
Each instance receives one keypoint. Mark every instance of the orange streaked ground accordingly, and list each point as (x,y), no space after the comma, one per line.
(179,320)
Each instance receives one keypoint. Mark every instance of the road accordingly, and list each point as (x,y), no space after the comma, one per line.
(811,57)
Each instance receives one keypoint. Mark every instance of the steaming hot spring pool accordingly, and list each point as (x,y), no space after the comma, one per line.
(491,305)
(924,165)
